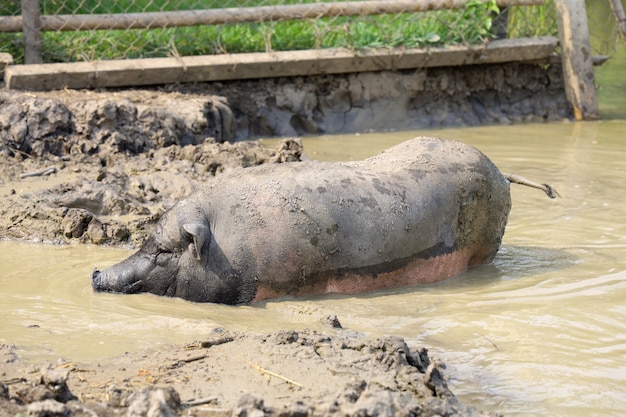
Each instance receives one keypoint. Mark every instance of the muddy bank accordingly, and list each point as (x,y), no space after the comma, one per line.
(113,198)
(102,167)
(296,106)
(288,373)
(393,100)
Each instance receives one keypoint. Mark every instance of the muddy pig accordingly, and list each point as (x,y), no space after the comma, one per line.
(417,213)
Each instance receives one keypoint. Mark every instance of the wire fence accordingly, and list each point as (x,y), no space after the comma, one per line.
(603,28)
(475,21)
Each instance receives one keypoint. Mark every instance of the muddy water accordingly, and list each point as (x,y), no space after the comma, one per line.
(542,331)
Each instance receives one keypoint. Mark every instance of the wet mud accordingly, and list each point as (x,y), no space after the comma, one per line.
(427,98)
(288,373)
(103,169)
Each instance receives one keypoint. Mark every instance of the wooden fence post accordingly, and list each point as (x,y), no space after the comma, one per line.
(31,27)
(577,59)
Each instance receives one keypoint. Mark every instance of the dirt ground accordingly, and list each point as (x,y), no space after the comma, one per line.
(289,373)
(101,168)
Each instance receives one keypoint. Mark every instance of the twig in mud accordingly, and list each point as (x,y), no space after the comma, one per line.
(15,150)
(200,401)
(64,365)
(14,381)
(218,341)
(274,374)
(210,342)
(39,173)
(490,341)
(102,384)
(179,362)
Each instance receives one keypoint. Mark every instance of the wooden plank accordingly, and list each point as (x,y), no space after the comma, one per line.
(240,14)
(155,71)
(32,31)
(576,58)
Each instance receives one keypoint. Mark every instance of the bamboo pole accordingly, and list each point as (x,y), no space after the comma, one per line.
(240,14)
(618,10)
(576,58)
(31,27)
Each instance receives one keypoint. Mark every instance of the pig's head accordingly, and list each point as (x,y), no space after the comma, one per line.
(175,261)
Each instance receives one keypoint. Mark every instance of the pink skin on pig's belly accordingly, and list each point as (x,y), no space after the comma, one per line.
(419,271)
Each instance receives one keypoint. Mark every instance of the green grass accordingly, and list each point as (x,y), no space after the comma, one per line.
(438,28)
(533,21)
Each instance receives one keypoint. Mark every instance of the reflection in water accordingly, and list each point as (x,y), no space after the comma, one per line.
(517,262)
(541,331)
(610,76)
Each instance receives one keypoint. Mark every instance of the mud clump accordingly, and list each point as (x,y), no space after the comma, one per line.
(89,123)
(287,373)
(114,198)
(102,169)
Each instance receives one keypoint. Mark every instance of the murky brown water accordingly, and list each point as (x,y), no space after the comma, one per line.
(542,331)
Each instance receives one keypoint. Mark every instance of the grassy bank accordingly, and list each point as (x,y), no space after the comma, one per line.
(470,25)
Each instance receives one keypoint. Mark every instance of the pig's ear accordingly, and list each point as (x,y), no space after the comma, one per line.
(199,233)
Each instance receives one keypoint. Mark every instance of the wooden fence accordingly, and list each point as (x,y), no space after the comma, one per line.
(152,20)
(576,57)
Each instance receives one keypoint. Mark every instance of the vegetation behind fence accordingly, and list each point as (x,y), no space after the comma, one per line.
(477,22)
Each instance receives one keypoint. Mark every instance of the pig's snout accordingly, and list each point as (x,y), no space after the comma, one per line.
(115,279)
(103,282)
(96,280)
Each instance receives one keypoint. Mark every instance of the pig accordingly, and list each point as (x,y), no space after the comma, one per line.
(418,213)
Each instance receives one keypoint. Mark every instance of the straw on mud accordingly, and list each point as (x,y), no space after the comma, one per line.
(274,374)
(490,341)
